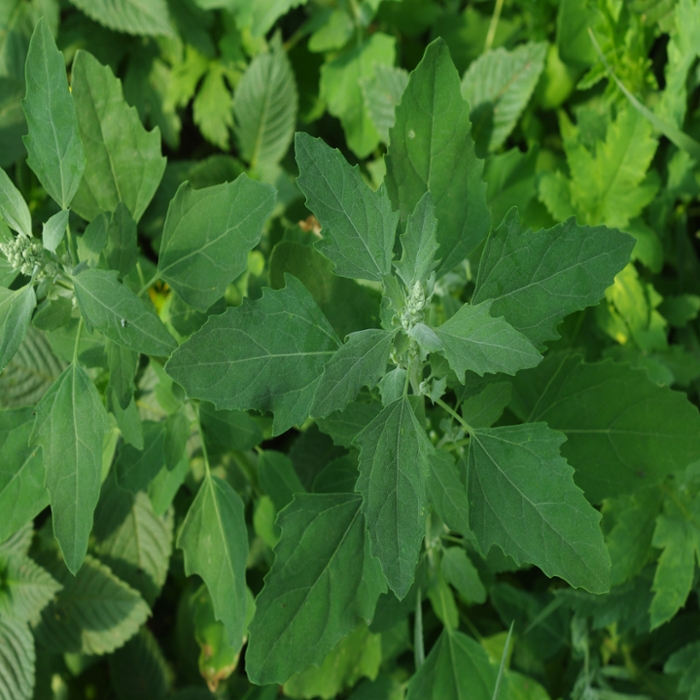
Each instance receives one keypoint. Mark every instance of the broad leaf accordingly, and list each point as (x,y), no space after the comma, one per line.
(17,660)
(624,432)
(394,465)
(15,313)
(26,588)
(214,540)
(55,151)
(13,209)
(112,308)
(473,340)
(140,17)
(419,244)
(432,150)
(523,498)
(448,494)
(266,355)
(535,278)
(207,236)
(323,548)
(70,424)
(361,361)
(123,160)
(358,225)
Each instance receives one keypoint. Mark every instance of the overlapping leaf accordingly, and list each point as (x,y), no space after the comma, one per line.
(140,17)
(15,312)
(26,587)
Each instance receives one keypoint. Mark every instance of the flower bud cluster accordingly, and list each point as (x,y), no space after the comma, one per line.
(23,253)
(415,307)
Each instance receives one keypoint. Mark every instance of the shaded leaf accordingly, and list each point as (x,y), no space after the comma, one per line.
(13,208)
(140,17)
(25,587)
(17,660)
(15,313)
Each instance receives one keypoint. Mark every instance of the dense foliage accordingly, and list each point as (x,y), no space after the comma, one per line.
(403,406)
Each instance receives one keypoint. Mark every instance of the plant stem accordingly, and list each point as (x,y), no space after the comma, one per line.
(147,285)
(77,340)
(493,26)
(207,468)
(454,414)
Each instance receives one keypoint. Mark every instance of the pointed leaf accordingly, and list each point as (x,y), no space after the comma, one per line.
(214,540)
(278,478)
(357,224)
(266,355)
(54,230)
(133,468)
(122,369)
(482,410)
(432,150)
(523,499)
(15,313)
(448,494)
(121,250)
(535,278)
(55,151)
(25,588)
(419,244)
(344,426)
(17,660)
(140,17)
(208,234)
(70,424)
(13,209)
(124,163)
(394,464)
(323,548)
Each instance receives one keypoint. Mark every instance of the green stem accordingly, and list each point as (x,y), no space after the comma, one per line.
(454,414)
(72,245)
(147,285)
(77,340)
(207,468)
(493,26)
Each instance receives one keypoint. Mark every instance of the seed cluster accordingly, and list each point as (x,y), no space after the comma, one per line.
(23,253)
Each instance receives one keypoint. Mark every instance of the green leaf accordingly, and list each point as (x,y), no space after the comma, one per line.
(207,236)
(382,93)
(15,313)
(535,278)
(17,660)
(361,361)
(419,244)
(278,478)
(123,160)
(257,15)
(448,494)
(498,86)
(323,547)
(212,108)
(122,369)
(214,540)
(13,208)
(523,499)
(624,432)
(457,667)
(473,340)
(344,426)
(121,250)
(235,430)
(54,230)
(112,308)
(338,476)
(94,613)
(394,465)
(139,670)
(266,355)
(459,572)
(165,485)
(341,87)
(432,150)
(140,17)
(26,588)
(55,151)
(133,468)
(265,109)
(358,225)
(482,410)
(94,239)
(686,663)
(70,425)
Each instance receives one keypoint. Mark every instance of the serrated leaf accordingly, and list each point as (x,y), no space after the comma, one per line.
(13,208)
(623,431)
(70,425)
(55,151)
(394,465)
(361,361)
(523,499)
(133,468)
(207,236)
(448,494)
(25,588)
(260,15)
(382,93)
(419,244)
(140,17)
(17,660)
(344,425)
(266,355)
(265,109)
(212,109)
(20,541)
(112,308)
(686,663)
(214,540)
(15,313)
(432,150)
(473,340)
(535,278)
(123,160)
(498,86)
(358,226)
(94,613)
(323,547)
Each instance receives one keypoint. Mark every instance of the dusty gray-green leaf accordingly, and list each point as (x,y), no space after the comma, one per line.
(207,236)
(55,151)
(13,208)
(140,17)
(419,244)
(15,313)
(17,660)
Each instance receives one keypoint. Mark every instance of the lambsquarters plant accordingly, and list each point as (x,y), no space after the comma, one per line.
(455,435)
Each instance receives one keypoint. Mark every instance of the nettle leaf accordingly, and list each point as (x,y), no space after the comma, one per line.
(207,236)
(382,93)
(361,361)
(55,151)
(394,465)
(214,540)
(432,150)
(112,308)
(447,493)
(498,86)
(17,660)
(94,612)
(266,355)
(15,313)
(358,225)
(323,548)
(123,160)
(70,424)
(523,498)
(265,109)
(25,587)
(623,431)
(535,278)
(140,17)
(473,340)
(419,244)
